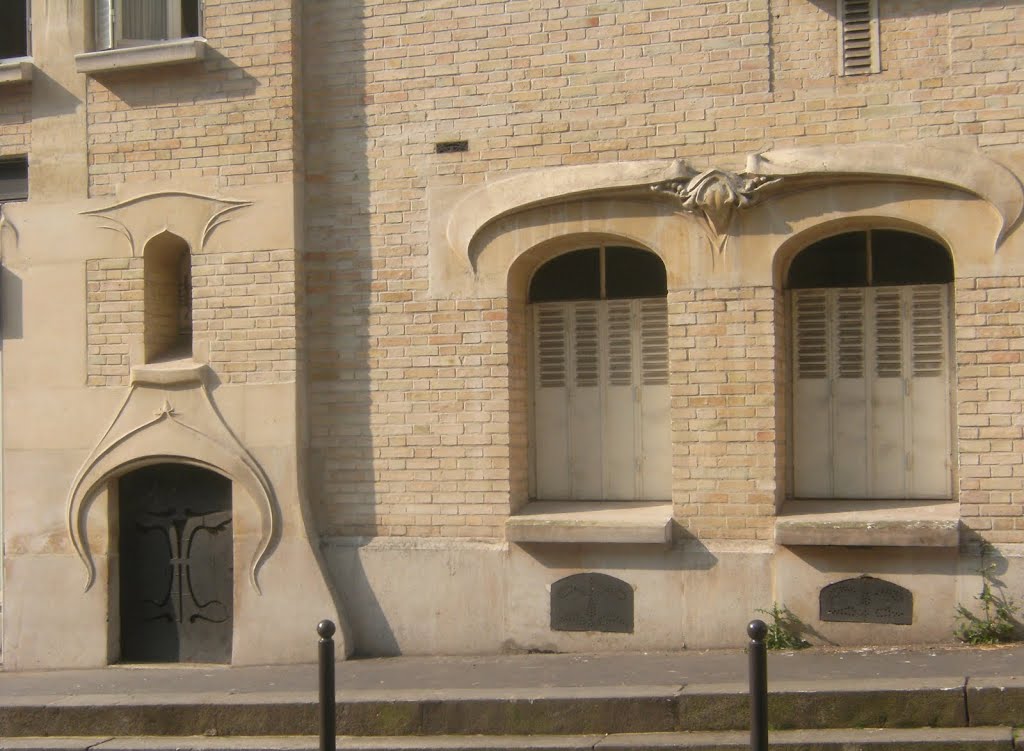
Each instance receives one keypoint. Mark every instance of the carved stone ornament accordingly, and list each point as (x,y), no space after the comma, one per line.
(169,416)
(715,196)
(195,216)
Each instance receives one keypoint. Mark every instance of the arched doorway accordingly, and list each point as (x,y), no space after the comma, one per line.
(175,565)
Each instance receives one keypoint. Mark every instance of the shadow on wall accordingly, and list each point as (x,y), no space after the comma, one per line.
(337,271)
(215,78)
(10,304)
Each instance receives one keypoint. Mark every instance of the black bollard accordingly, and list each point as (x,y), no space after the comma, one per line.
(757,630)
(327,739)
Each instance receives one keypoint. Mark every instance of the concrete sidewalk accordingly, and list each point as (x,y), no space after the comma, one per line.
(492,674)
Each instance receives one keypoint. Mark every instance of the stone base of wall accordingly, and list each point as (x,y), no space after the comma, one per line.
(417,596)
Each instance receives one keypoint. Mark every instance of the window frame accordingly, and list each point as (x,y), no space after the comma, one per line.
(28,36)
(109,17)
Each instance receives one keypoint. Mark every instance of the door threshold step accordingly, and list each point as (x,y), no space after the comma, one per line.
(864,739)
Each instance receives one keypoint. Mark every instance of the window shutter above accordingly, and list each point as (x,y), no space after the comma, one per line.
(888,333)
(850,333)
(104,24)
(620,345)
(811,333)
(550,343)
(858,37)
(654,342)
(586,345)
(928,330)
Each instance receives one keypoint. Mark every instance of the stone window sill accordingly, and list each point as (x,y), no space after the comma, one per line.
(177,372)
(869,523)
(174,52)
(16,70)
(592,522)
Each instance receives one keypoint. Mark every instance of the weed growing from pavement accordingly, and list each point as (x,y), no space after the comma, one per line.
(995,622)
(784,628)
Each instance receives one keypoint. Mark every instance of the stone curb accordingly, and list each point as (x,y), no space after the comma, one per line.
(924,739)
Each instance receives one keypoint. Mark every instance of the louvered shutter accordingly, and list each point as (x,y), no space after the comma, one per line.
(812,391)
(551,399)
(871,392)
(858,37)
(655,429)
(104,20)
(850,410)
(929,474)
(600,393)
(620,438)
(886,397)
(585,424)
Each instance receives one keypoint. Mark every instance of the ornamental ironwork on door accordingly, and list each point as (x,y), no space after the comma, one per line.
(175,565)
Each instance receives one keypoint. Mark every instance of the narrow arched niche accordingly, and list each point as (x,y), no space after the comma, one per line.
(167,300)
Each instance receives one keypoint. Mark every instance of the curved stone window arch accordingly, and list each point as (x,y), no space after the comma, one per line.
(167,298)
(871,366)
(599,376)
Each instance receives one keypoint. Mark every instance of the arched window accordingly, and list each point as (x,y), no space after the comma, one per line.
(167,303)
(871,362)
(599,376)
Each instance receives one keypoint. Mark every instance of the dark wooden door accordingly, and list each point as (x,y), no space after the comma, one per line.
(175,569)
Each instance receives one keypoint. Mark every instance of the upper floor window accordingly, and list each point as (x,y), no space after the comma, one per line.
(125,23)
(13,179)
(15,29)
(871,367)
(599,377)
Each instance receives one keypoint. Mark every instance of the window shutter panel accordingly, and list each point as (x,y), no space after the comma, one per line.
(850,408)
(655,449)
(104,20)
(585,345)
(654,342)
(812,439)
(551,401)
(620,441)
(888,396)
(585,418)
(858,37)
(549,342)
(929,402)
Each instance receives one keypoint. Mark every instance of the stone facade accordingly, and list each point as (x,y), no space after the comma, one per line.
(361,353)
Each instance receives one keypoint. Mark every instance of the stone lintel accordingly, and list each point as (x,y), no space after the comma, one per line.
(189,50)
(592,522)
(869,523)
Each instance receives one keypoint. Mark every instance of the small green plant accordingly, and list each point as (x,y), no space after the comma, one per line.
(995,622)
(784,628)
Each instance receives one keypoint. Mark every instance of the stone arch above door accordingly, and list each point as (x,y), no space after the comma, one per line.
(168,416)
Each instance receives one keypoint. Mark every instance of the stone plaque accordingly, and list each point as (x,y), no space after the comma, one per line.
(592,602)
(866,600)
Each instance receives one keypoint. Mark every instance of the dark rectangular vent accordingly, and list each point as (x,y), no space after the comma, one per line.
(858,37)
(451,147)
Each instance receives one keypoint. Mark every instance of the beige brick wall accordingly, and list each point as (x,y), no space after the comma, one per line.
(990,406)
(724,371)
(230,118)
(243,308)
(539,83)
(114,317)
(243,315)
